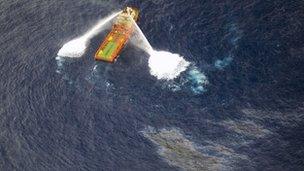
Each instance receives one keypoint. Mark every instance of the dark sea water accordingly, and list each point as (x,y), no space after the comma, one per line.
(79,114)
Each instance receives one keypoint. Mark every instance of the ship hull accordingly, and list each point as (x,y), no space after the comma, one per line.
(115,41)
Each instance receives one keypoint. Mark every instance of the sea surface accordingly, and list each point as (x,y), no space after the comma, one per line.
(240,107)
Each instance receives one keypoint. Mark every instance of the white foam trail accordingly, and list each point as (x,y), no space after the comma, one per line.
(78,46)
(163,65)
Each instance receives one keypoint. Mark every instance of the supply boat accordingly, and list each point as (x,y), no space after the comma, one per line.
(121,31)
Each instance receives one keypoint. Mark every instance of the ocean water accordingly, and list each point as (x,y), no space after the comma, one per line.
(239,106)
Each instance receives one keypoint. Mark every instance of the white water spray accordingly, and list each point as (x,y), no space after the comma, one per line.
(139,39)
(78,46)
(168,66)
(163,65)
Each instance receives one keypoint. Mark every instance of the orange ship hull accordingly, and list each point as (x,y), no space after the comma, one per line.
(115,41)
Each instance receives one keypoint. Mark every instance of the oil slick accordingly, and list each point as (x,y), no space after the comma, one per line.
(246,128)
(179,151)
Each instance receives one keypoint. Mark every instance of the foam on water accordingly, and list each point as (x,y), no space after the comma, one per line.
(74,48)
(77,47)
(198,80)
(62,69)
(194,80)
(166,65)
(221,64)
